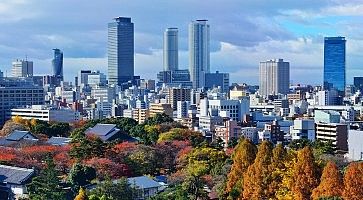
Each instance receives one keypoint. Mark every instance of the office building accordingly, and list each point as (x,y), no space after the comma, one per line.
(177,94)
(17,93)
(103,94)
(147,84)
(274,77)
(175,78)
(303,129)
(217,79)
(334,63)
(199,52)
(57,65)
(355,147)
(96,78)
(170,54)
(44,113)
(335,133)
(120,51)
(83,77)
(326,116)
(182,109)
(1,74)
(22,68)
(328,97)
(234,109)
(358,83)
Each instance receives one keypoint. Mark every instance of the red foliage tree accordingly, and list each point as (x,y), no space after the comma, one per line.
(107,168)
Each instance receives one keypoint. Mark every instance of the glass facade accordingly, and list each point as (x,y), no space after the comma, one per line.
(120,51)
(334,63)
(57,64)
(170,55)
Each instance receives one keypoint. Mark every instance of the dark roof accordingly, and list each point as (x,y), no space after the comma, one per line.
(15,175)
(18,135)
(143,182)
(104,131)
(59,141)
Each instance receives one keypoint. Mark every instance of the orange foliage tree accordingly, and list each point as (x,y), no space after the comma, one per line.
(257,178)
(243,156)
(331,183)
(305,175)
(353,182)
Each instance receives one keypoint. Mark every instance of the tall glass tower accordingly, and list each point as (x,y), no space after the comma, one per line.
(57,64)
(198,52)
(120,51)
(334,63)
(170,60)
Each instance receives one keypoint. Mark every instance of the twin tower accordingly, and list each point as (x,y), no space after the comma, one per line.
(121,51)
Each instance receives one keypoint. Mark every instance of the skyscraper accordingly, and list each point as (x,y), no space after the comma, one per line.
(334,63)
(57,64)
(120,50)
(198,52)
(274,77)
(170,60)
(22,68)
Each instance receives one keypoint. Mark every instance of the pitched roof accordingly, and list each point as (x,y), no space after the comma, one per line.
(143,182)
(59,141)
(18,135)
(14,175)
(104,131)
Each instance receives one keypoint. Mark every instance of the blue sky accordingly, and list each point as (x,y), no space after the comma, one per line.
(243,33)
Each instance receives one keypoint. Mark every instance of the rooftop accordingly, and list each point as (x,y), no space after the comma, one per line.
(14,175)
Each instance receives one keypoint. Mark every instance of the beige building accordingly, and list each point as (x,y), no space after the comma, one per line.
(335,133)
(137,114)
(160,108)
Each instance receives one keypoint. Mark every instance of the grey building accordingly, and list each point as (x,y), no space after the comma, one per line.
(274,77)
(22,68)
(199,52)
(120,51)
(217,79)
(175,78)
(57,65)
(170,54)
(18,93)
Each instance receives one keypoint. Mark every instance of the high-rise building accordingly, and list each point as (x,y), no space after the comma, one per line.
(177,94)
(334,63)
(120,51)
(22,68)
(199,52)
(358,83)
(57,64)
(83,77)
(1,74)
(274,77)
(170,49)
(217,79)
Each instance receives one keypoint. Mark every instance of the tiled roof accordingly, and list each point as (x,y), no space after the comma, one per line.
(59,141)
(14,175)
(104,131)
(143,182)
(18,135)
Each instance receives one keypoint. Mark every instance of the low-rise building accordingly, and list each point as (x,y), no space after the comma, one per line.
(303,129)
(335,133)
(229,130)
(13,181)
(160,108)
(45,113)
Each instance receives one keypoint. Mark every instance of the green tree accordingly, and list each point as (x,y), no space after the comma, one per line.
(80,175)
(46,185)
(159,119)
(108,190)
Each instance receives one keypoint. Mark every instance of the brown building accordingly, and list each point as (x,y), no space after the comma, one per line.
(335,133)
(177,94)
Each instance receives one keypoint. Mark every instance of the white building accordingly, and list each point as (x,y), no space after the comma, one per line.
(22,68)
(249,133)
(274,77)
(182,109)
(303,129)
(355,145)
(103,94)
(236,109)
(44,113)
(199,52)
(96,78)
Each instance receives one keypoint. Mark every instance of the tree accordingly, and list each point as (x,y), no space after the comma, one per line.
(11,126)
(46,185)
(331,183)
(80,175)
(305,175)
(277,167)
(81,195)
(108,190)
(300,144)
(243,156)
(256,180)
(353,182)
(158,119)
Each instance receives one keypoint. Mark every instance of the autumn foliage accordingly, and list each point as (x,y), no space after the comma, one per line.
(331,183)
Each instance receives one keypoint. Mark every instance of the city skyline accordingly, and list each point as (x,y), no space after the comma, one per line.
(240,39)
